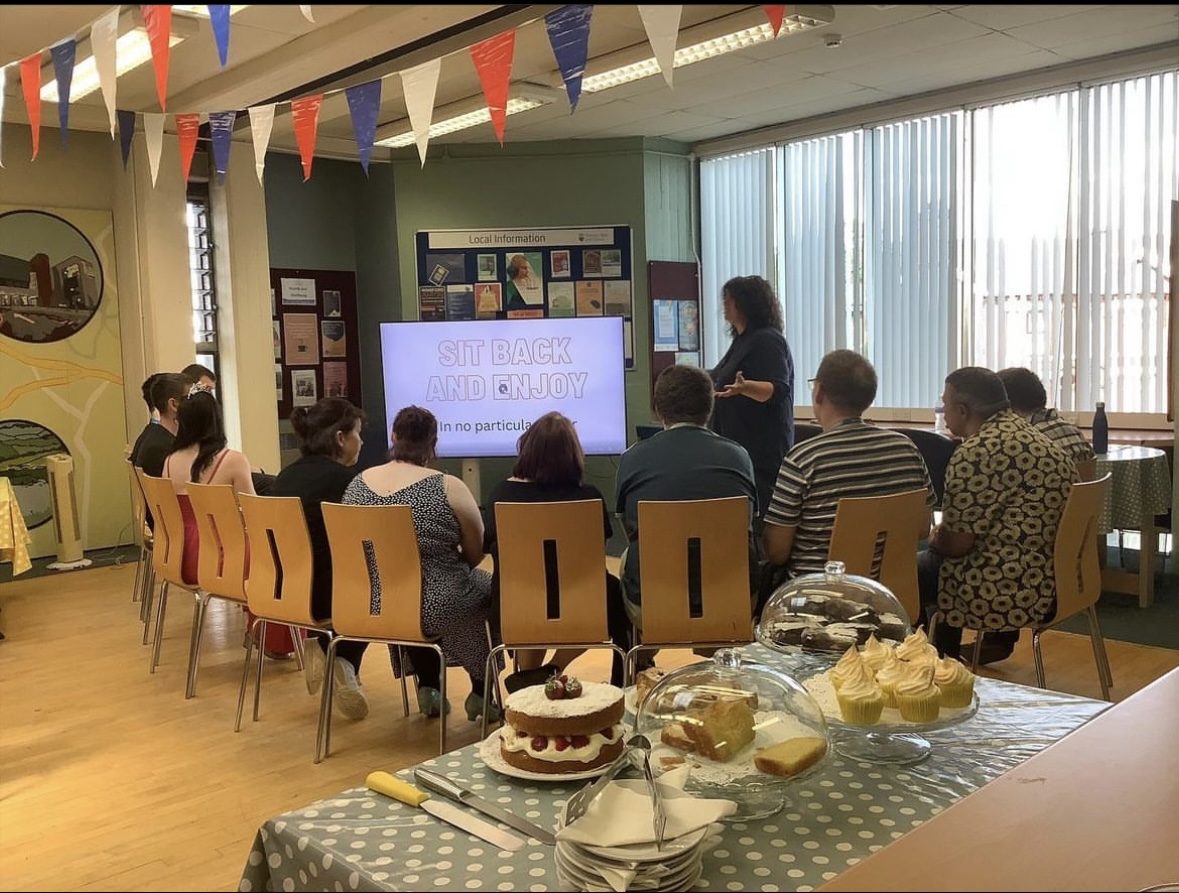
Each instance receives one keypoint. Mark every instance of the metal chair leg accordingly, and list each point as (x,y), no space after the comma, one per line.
(978,637)
(261,639)
(145,607)
(251,639)
(297,645)
(488,674)
(1038,658)
(404,686)
(1100,655)
(135,587)
(159,634)
(323,729)
(442,694)
(199,609)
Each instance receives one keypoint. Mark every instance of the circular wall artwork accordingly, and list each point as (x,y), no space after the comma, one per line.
(23,448)
(50,277)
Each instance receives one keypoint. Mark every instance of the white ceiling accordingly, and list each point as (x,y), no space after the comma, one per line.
(886,52)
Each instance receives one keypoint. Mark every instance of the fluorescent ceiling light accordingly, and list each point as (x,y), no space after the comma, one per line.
(131,50)
(461,122)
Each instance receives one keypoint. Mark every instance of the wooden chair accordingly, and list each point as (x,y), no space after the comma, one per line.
(385,532)
(168,549)
(694,575)
(1078,576)
(936,449)
(902,519)
(223,562)
(278,587)
(552,580)
(145,579)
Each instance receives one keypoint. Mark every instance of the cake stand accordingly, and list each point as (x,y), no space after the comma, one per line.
(894,743)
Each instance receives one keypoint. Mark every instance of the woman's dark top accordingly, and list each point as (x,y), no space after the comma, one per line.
(766,430)
(315,480)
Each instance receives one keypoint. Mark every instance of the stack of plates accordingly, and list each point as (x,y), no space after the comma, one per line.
(675,866)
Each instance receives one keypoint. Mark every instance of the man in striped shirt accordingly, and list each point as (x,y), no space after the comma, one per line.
(849,459)
(1028,398)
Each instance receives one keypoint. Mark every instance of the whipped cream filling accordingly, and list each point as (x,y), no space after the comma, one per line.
(513,741)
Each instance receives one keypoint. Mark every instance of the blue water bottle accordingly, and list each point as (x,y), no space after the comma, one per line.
(1100,431)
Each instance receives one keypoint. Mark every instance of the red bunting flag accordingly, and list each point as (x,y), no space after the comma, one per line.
(187,129)
(493,61)
(157,19)
(30,82)
(306,114)
(775,14)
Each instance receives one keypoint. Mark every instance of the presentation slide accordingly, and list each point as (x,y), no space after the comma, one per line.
(486,381)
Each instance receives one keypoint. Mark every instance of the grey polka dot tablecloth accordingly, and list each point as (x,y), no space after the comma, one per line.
(1139,485)
(358,840)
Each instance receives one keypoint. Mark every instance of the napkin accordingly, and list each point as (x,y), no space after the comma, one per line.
(622,814)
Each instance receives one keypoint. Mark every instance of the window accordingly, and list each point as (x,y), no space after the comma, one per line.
(1031,233)
(201,278)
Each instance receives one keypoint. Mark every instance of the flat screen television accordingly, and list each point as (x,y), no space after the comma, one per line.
(486,381)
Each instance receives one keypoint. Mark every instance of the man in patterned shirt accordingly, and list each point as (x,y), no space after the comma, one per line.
(850,458)
(1030,401)
(989,562)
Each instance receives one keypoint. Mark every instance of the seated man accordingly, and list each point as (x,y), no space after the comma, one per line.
(849,459)
(686,460)
(1030,401)
(168,391)
(989,562)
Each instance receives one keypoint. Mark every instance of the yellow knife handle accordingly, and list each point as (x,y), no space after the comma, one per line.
(391,786)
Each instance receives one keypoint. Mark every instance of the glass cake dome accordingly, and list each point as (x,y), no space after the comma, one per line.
(829,612)
(744,729)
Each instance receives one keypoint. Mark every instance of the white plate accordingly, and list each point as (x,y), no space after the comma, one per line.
(490,754)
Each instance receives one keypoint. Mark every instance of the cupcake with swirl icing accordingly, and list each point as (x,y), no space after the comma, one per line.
(888,676)
(954,681)
(849,666)
(860,701)
(917,697)
(917,649)
(875,654)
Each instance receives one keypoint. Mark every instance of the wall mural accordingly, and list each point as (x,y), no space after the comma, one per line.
(23,448)
(50,277)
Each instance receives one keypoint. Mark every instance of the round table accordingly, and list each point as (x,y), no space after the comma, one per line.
(1139,489)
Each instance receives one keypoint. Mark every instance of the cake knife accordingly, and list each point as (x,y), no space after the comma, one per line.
(387,784)
(440,784)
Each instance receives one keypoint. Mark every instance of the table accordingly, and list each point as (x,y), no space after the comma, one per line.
(14,536)
(1095,811)
(1139,489)
(357,840)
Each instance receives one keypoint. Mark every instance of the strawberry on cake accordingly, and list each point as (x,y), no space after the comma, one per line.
(563,726)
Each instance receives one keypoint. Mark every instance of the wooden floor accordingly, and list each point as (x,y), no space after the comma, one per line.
(110,780)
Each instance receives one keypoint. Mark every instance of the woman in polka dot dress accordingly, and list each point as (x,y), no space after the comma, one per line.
(456,595)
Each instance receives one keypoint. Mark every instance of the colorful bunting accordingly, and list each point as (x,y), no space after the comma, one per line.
(305,111)
(568,28)
(126,133)
(419,84)
(3,78)
(104,33)
(188,127)
(306,10)
(221,130)
(219,18)
(153,132)
(493,62)
(662,24)
(64,54)
(30,83)
(261,123)
(775,14)
(364,105)
(157,19)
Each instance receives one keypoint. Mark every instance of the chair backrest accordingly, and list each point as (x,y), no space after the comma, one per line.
(694,571)
(138,507)
(281,564)
(903,520)
(1087,469)
(168,533)
(224,559)
(805,431)
(936,449)
(1074,558)
(552,572)
(384,533)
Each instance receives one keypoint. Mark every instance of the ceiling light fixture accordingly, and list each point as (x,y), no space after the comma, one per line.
(461,122)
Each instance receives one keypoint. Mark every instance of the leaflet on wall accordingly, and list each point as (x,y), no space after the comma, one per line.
(335,379)
(689,325)
(277,339)
(561,298)
(665,321)
(303,388)
(460,302)
(611,262)
(690,358)
(331,304)
(489,299)
(589,297)
(617,296)
(332,331)
(431,302)
(301,339)
(446,268)
(278,392)
(561,267)
(487,267)
(298,291)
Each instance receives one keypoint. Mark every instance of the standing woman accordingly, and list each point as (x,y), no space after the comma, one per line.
(755,381)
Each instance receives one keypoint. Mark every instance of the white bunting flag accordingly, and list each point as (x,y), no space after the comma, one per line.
(103,35)
(153,129)
(306,10)
(419,85)
(3,75)
(261,123)
(662,24)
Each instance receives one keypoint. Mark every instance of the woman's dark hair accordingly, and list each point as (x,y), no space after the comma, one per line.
(415,434)
(316,426)
(200,422)
(550,453)
(755,300)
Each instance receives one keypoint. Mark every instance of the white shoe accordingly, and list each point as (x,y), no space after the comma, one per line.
(348,695)
(314,662)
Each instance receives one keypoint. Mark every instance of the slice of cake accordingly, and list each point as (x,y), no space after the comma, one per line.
(791,756)
(720,729)
(563,726)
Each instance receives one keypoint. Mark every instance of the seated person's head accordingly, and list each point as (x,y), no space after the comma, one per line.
(683,394)
(550,453)
(330,428)
(972,395)
(202,375)
(415,436)
(1024,390)
(200,419)
(847,381)
(145,389)
(168,392)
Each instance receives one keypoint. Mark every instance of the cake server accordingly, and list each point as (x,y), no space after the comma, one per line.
(387,784)
(440,784)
